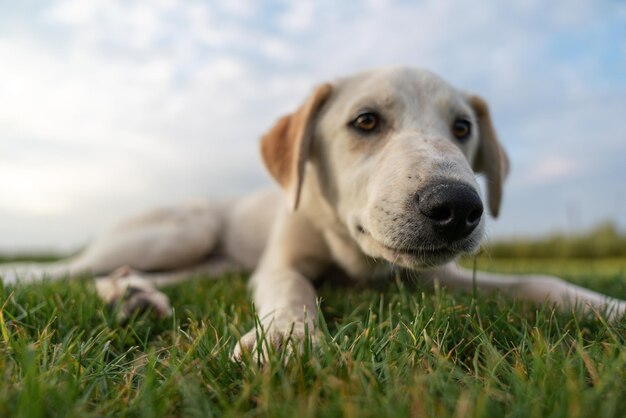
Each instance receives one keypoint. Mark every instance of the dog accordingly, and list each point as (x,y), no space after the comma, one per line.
(378,177)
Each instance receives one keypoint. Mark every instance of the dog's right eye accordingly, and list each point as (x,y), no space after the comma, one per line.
(366,122)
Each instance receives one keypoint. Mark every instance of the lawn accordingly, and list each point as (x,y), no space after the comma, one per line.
(397,350)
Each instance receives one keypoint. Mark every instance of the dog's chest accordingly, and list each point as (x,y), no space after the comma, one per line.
(348,256)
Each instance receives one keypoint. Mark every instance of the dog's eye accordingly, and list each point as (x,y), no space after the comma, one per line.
(461,129)
(366,122)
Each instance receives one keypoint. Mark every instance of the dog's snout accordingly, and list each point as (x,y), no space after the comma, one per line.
(453,209)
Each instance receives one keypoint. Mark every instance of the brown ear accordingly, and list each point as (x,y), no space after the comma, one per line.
(491,158)
(285,148)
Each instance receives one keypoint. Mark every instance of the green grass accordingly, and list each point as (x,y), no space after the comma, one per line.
(398,350)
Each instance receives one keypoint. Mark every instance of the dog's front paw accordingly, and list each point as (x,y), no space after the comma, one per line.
(259,341)
(126,293)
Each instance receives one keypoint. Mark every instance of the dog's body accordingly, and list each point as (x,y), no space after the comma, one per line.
(379,174)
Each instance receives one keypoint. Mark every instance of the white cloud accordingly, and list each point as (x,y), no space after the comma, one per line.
(41,186)
(299,16)
(551,168)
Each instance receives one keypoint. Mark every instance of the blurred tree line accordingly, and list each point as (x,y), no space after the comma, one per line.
(605,240)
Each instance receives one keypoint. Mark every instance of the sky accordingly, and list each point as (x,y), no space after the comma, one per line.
(111,107)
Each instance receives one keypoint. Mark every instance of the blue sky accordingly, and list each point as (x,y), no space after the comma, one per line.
(111,107)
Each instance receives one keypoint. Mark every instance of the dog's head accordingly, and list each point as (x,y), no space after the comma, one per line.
(394,153)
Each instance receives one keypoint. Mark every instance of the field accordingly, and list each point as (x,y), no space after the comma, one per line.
(397,350)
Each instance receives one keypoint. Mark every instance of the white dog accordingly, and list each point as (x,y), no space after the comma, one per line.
(378,174)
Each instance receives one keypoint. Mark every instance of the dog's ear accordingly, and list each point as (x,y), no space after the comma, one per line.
(285,148)
(491,159)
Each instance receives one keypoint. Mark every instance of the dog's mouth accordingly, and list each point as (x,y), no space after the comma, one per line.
(415,257)
(422,252)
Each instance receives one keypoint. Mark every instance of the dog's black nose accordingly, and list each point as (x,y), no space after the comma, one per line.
(454,209)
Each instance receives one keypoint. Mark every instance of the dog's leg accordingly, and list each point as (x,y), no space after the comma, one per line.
(534,288)
(161,240)
(12,273)
(129,291)
(283,293)
(286,306)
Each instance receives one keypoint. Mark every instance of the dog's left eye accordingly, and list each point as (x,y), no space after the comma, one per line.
(461,129)
(366,122)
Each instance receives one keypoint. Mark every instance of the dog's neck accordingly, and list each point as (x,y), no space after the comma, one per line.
(344,251)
